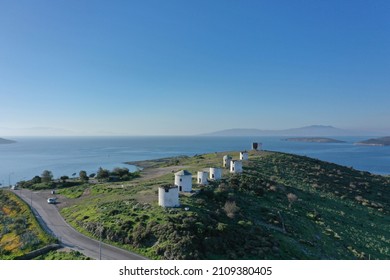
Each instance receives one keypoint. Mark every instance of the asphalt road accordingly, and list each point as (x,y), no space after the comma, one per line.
(52,221)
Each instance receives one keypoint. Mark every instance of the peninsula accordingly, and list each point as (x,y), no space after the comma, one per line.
(383,141)
(313,140)
(6,141)
(286,206)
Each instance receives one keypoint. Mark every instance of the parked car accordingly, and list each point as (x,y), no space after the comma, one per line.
(52,200)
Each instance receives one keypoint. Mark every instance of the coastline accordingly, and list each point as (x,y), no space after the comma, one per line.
(321,140)
(4,141)
(139,198)
(383,141)
(367,144)
(66,156)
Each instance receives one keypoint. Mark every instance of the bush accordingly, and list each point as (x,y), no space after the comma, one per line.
(102,174)
(231,208)
(291,199)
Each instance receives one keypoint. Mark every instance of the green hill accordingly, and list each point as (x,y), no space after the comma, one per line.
(282,207)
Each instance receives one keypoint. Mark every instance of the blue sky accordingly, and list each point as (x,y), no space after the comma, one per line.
(187,67)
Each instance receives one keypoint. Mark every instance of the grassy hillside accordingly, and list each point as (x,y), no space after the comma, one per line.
(20,232)
(282,207)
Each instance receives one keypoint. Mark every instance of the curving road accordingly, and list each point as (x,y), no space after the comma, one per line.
(52,221)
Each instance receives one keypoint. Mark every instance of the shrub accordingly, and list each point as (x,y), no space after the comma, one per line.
(231,208)
(221,226)
(291,199)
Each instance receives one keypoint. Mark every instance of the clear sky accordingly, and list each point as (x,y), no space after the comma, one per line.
(170,67)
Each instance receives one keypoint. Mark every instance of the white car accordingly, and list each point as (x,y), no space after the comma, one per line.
(52,200)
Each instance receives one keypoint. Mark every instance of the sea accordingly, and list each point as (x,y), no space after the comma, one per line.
(30,156)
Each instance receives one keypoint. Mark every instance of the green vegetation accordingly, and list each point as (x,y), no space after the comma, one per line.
(282,207)
(20,232)
(37,184)
(47,176)
(63,255)
(45,181)
(340,212)
(117,174)
(83,176)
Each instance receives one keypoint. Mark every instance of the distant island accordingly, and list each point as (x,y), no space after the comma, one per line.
(6,141)
(383,141)
(307,131)
(313,140)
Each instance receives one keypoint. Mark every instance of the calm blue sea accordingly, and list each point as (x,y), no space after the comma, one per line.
(65,156)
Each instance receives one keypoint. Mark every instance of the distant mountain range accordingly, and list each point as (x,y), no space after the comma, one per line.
(307,131)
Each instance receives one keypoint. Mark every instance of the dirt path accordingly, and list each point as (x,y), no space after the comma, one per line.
(150,173)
